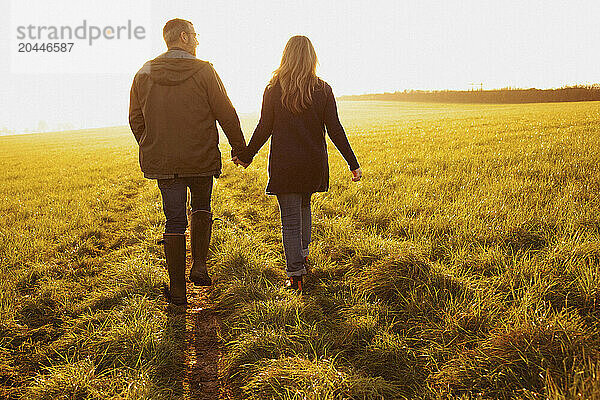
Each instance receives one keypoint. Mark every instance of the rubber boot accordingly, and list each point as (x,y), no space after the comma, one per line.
(200,230)
(175,255)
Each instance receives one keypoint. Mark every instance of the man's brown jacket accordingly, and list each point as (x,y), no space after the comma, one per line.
(175,101)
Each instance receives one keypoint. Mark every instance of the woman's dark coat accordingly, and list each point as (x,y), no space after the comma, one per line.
(298,160)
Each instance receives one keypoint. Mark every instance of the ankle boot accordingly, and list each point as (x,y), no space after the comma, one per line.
(175,255)
(200,229)
(295,283)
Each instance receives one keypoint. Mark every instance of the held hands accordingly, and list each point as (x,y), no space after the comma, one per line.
(237,161)
(356,175)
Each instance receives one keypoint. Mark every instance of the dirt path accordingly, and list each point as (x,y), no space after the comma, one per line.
(203,346)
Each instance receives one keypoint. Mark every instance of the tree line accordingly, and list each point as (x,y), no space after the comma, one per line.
(505,95)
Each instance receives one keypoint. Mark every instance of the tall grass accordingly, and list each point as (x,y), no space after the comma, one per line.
(464,265)
(81,314)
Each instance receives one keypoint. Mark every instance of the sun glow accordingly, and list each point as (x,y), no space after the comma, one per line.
(363,47)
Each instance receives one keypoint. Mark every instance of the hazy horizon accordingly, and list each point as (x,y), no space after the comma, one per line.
(363,47)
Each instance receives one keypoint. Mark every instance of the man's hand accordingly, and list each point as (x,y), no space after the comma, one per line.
(356,175)
(237,161)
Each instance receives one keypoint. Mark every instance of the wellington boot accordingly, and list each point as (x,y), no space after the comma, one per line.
(200,230)
(175,255)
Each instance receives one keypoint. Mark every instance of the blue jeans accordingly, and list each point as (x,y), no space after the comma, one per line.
(174,199)
(295,229)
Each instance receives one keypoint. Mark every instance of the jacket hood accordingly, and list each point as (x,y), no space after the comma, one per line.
(173,67)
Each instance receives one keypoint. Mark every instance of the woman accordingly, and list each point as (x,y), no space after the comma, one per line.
(296,107)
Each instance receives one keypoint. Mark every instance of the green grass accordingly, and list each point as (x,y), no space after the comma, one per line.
(464,265)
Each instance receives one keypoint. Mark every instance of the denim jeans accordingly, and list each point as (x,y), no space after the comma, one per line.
(295,229)
(174,198)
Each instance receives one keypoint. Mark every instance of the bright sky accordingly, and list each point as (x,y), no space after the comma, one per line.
(363,47)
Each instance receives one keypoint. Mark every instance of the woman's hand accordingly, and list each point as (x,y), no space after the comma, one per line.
(356,175)
(237,161)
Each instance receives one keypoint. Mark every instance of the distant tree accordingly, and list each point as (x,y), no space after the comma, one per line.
(42,126)
(505,95)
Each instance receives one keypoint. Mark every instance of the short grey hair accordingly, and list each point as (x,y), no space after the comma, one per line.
(173,29)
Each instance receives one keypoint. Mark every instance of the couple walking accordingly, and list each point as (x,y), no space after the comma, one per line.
(175,102)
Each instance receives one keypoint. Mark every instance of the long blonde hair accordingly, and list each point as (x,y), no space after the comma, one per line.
(297,74)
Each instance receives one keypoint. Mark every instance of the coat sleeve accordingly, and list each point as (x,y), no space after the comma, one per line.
(224,112)
(336,131)
(136,116)
(263,130)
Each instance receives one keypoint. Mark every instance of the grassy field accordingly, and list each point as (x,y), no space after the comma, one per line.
(464,265)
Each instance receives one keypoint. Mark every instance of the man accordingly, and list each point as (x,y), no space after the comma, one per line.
(175,101)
